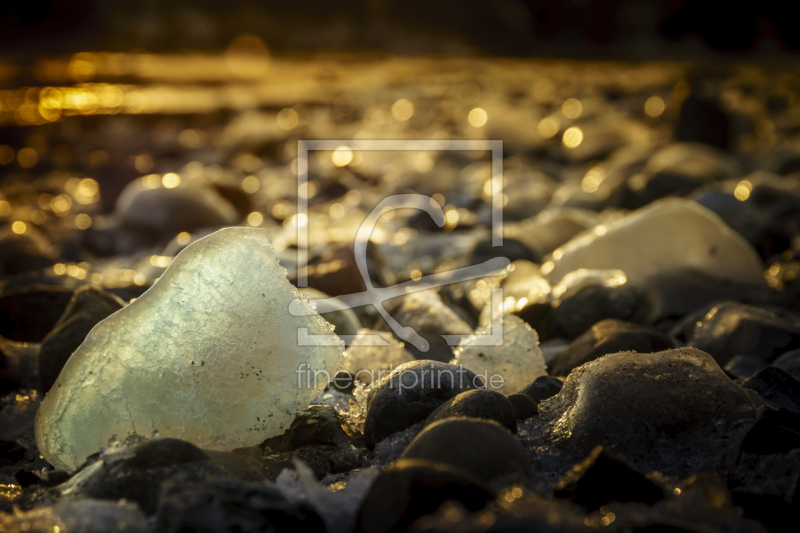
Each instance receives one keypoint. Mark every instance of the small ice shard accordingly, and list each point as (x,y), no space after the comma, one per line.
(209,354)
(369,361)
(518,360)
(666,235)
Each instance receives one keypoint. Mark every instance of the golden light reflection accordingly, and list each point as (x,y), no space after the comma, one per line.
(19,227)
(591,182)
(160,261)
(307,189)
(255,218)
(548,127)
(288,118)
(342,156)
(743,190)
(572,108)
(654,106)
(573,137)
(402,110)
(83,221)
(415,275)
(251,184)
(61,204)
(27,157)
(82,67)
(87,192)
(97,157)
(183,238)
(299,220)
(478,117)
(5,208)
(336,210)
(6,154)
(170,180)
(60,269)
(151,181)
(143,163)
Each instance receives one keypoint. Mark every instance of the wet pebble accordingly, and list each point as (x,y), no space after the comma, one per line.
(479,403)
(87,307)
(412,488)
(411,393)
(482,447)
(609,336)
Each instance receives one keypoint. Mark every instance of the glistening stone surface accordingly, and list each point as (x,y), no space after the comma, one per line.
(652,408)
(209,354)
(679,233)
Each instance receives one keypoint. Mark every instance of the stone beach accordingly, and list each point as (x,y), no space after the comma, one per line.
(634,365)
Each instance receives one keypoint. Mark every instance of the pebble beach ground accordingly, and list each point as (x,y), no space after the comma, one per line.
(650,354)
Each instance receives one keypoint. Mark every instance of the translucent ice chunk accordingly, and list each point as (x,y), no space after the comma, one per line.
(666,235)
(518,360)
(210,354)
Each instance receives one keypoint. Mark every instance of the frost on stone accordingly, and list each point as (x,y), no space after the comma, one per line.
(652,408)
(209,354)
(667,235)
(518,360)
(368,361)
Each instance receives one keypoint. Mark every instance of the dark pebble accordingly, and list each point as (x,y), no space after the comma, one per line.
(542,388)
(10,452)
(605,337)
(412,392)
(27,315)
(606,477)
(412,488)
(775,387)
(215,505)
(524,407)
(317,425)
(743,366)
(482,447)
(789,362)
(479,403)
(87,307)
(731,328)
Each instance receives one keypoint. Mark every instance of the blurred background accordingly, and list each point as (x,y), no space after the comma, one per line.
(578,28)
(130,129)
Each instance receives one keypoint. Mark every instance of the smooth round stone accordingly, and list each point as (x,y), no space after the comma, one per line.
(732,328)
(609,336)
(318,424)
(542,388)
(775,387)
(479,403)
(23,253)
(523,405)
(482,447)
(653,408)
(577,313)
(789,362)
(87,307)
(431,318)
(29,314)
(688,236)
(411,393)
(411,488)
